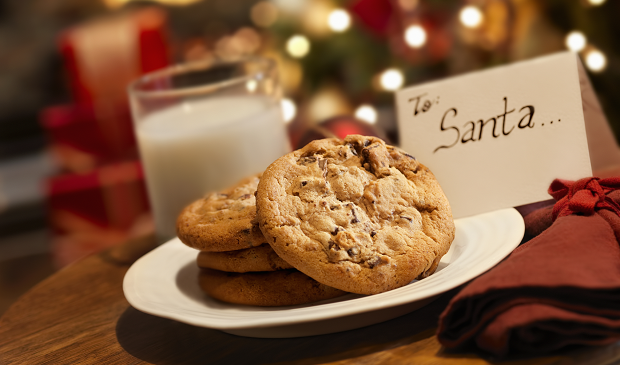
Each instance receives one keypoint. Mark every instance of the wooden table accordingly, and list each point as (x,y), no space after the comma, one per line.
(80,316)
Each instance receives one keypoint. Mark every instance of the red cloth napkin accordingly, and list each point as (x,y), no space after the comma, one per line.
(560,288)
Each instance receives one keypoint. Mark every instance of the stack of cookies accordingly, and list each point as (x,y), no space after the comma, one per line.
(336,216)
(237,264)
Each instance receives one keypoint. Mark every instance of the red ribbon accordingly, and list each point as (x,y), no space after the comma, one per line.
(583,196)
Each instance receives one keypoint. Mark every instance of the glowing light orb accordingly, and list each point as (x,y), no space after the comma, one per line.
(289,110)
(366,113)
(339,20)
(415,36)
(392,79)
(298,46)
(596,61)
(575,41)
(596,2)
(471,16)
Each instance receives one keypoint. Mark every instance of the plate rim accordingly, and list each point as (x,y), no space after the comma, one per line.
(258,318)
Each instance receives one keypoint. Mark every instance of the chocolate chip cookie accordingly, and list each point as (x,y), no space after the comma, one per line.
(355,214)
(261,258)
(222,221)
(275,288)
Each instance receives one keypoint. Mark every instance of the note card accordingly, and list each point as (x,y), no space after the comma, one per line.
(497,138)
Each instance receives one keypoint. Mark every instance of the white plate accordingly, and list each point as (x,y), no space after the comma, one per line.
(164,283)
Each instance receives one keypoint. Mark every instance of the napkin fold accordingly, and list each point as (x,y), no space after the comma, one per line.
(560,288)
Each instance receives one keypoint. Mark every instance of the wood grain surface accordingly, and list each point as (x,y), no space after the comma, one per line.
(80,316)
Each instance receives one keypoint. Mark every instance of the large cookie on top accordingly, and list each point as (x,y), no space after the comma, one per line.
(222,221)
(355,214)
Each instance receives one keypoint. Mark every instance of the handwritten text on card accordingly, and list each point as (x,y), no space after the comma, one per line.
(497,138)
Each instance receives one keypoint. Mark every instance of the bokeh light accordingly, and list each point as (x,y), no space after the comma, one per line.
(366,112)
(298,46)
(114,4)
(596,61)
(251,85)
(408,5)
(415,36)
(391,79)
(575,41)
(471,16)
(289,110)
(264,14)
(339,20)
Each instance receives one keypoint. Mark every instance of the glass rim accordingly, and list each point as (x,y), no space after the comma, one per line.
(133,89)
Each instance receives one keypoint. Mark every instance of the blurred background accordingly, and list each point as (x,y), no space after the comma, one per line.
(70,178)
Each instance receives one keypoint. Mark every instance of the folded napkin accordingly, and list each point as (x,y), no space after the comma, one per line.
(560,288)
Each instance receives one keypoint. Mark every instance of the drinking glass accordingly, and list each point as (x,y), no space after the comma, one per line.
(203,126)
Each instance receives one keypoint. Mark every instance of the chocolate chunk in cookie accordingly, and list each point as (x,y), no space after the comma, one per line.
(355,214)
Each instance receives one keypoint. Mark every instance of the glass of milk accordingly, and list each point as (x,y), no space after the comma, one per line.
(202,127)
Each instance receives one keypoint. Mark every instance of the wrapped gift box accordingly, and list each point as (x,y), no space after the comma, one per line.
(91,211)
(102,56)
(79,140)
(100,199)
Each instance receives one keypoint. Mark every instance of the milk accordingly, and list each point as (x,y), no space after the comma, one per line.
(199,146)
